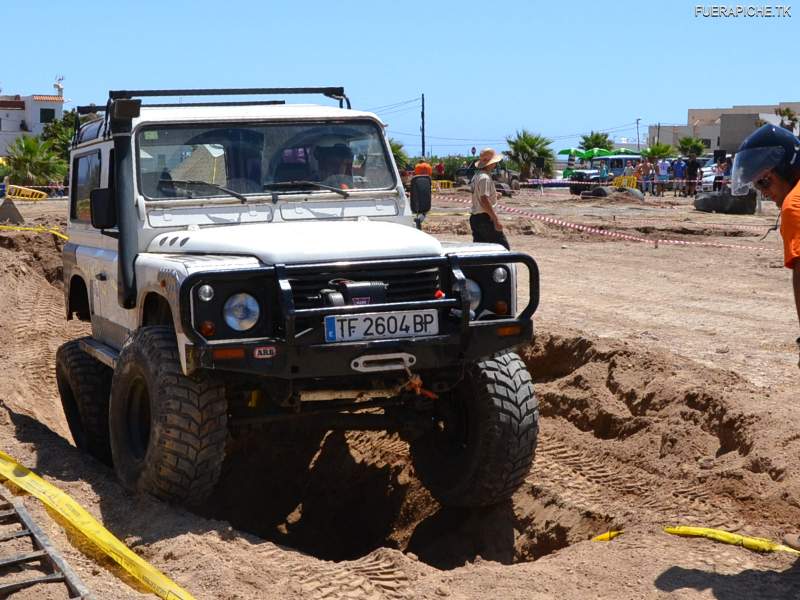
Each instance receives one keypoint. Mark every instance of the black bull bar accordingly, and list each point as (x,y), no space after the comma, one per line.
(295,356)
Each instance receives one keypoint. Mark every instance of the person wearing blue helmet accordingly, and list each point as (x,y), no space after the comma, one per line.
(769,160)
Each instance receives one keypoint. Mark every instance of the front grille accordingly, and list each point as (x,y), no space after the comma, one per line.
(405,284)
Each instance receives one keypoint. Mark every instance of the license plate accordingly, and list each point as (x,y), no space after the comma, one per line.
(375,326)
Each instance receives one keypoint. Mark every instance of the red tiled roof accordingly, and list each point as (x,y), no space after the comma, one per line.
(48,98)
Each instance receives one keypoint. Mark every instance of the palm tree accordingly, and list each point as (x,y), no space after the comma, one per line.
(595,139)
(691,145)
(788,117)
(400,156)
(32,162)
(658,151)
(525,147)
(60,132)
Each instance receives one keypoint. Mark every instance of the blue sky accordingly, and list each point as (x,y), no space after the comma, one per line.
(487,69)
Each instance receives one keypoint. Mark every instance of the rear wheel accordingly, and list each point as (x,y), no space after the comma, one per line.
(168,430)
(84,385)
(484,438)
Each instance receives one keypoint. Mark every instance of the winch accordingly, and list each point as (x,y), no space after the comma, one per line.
(344,292)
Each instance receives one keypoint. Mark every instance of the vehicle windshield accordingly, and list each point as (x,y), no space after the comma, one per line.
(261,158)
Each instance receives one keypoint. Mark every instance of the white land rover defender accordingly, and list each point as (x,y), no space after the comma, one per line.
(245,263)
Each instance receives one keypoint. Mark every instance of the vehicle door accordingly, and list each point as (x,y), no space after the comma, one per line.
(85,242)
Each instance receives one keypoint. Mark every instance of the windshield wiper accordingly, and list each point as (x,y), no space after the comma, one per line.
(198,182)
(316,184)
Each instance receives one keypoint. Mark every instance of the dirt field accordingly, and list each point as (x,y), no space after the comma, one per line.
(667,378)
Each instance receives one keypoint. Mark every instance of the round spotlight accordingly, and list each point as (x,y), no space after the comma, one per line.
(500,275)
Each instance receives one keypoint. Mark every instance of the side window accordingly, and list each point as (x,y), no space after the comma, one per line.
(47,115)
(85,178)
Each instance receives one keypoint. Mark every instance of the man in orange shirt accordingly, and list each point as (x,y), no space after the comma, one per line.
(769,159)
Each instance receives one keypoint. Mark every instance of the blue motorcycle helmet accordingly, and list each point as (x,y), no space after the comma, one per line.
(768,147)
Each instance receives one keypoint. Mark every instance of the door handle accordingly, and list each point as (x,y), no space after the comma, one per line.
(101,276)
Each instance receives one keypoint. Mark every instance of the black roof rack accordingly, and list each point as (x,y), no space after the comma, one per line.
(336,93)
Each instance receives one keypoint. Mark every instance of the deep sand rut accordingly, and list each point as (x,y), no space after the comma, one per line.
(631,438)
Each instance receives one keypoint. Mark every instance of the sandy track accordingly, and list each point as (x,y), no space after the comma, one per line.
(658,416)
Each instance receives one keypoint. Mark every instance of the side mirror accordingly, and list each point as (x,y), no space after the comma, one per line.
(102,209)
(420,194)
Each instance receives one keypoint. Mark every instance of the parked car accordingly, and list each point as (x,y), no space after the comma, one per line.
(616,163)
(501,174)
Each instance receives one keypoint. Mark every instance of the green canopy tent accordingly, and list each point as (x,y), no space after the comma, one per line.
(624,151)
(594,153)
(571,151)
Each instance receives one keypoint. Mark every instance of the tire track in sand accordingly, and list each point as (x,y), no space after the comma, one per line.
(588,480)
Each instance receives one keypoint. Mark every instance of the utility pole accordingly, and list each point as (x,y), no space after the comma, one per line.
(422,127)
(637,133)
(658,133)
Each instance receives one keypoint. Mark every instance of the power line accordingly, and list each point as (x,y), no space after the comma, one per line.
(393,105)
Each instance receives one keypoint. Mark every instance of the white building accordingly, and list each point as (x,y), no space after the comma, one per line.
(720,128)
(21,115)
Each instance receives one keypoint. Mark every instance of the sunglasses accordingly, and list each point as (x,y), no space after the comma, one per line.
(763,183)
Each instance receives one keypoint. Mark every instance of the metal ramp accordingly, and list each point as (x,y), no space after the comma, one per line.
(45,560)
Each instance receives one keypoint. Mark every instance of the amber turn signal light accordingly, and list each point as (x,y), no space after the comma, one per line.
(509,330)
(227,353)
(207,328)
(501,307)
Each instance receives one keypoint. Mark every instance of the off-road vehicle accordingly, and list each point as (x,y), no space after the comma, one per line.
(247,263)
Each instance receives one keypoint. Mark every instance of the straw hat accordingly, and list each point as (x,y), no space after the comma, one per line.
(487,157)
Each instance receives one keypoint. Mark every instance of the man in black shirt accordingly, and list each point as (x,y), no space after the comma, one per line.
(693,172)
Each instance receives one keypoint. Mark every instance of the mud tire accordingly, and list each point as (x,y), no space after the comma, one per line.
(168,431)
(485,445)
(84,385)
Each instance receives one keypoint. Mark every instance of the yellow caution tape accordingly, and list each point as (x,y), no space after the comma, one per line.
(18,192)
(37,229)
(73,512)
(726,537)
(607,536)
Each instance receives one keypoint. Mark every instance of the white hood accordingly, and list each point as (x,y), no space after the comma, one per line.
(291,243)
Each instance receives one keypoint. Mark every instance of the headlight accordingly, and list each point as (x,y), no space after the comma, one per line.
(474,295)
(241,312)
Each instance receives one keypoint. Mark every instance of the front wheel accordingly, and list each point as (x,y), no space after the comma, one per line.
(484,436)
(168,430)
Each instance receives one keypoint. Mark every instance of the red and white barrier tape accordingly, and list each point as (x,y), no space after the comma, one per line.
(610,179)
(614,234)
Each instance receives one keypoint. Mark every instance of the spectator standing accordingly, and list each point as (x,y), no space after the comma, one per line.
(726,173)
(483,221)
(693,173)
(439,169)
(639,173)
(603,172)
(628,171)
(719,171)
(768,160)
(679,176)
(662,169)
(647,176)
